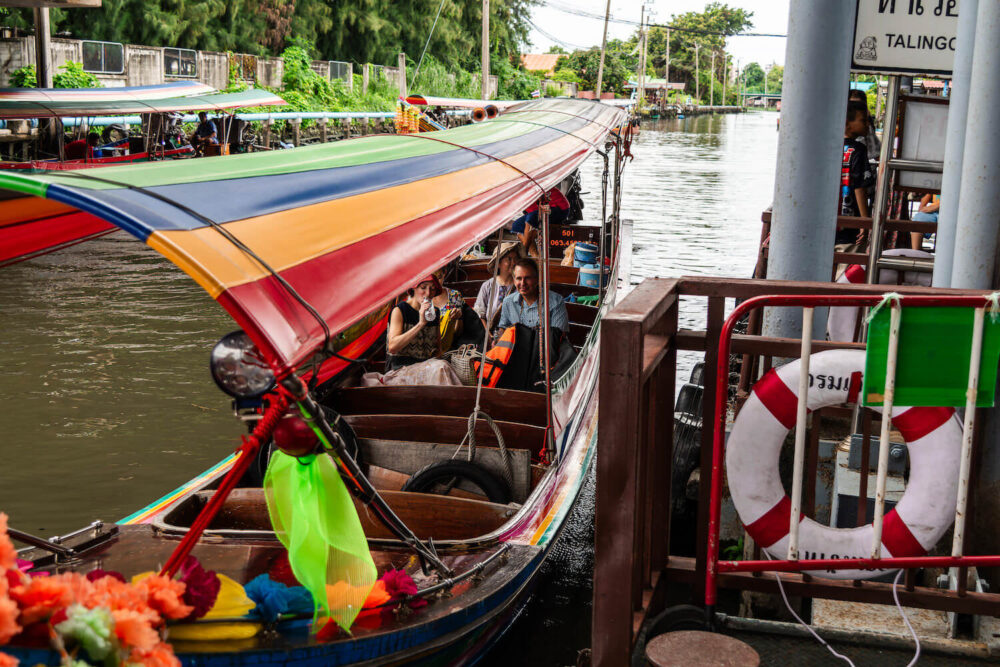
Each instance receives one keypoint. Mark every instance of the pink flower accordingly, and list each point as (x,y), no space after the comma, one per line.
(94,575)
(398,584)
(201,586)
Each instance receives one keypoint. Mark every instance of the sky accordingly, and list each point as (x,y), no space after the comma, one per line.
(769,16)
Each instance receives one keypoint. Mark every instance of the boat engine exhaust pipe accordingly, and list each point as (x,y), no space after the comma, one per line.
(492,111)
(479,115)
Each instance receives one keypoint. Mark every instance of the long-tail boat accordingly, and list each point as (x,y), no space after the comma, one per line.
(307,249)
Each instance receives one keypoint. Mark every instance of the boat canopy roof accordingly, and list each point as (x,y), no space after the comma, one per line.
(282,239)
(179,96)
(458,102)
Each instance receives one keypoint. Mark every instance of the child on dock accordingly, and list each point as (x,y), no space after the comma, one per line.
(855,171)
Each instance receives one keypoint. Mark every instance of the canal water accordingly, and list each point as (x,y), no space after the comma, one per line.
(104,356)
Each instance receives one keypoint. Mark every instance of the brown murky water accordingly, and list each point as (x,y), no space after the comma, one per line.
(108,404)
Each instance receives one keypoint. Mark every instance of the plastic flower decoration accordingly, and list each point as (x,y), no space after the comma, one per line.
(92,629)
(201,587)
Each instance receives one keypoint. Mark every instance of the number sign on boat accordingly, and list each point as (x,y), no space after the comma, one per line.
(905,36)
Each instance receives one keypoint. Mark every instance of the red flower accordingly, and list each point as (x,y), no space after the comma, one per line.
(329,632)
(398,584)
(201,587)
(94,575)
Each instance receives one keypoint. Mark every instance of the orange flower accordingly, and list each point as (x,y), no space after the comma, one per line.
(8,618)
(117,595)
(134,630)
(165,596)
(8,554)
(7,660)
(379,596)
(40,597)
(161,655)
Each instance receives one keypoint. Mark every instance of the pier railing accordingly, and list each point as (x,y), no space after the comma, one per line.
(634,570)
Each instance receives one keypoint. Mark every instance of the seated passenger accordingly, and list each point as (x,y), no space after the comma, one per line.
(450,304)
(526,227)
(493,291)
(412,337)
(522,306)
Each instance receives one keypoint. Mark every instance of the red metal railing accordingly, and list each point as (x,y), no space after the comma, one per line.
(714,566)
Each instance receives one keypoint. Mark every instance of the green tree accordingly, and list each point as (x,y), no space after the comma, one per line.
(555,48)
(774,77)
(617,68)
(753,75)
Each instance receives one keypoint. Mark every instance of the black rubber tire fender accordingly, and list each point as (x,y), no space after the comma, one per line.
(423,480)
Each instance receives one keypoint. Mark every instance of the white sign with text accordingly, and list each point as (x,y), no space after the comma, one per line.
(905,36)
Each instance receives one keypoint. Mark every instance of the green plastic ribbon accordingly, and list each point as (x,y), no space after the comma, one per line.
(887,298)
(314,517)
(994,300)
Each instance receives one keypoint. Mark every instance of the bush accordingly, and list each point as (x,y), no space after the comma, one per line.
(553,91)
(71,76)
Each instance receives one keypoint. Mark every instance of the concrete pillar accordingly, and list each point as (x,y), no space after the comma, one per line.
(322,129)
(814,97)
(954,147)
(365,75)
(978,226)
(43,48)
(296,131)
(402,75)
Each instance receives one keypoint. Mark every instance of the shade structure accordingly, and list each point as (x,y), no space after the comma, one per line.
(188,96)
(331,232)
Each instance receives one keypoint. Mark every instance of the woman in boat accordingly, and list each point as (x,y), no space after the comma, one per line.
(412,337)
(493,291)
(450,304)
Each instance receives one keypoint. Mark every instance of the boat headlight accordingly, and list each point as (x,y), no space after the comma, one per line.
(239,368)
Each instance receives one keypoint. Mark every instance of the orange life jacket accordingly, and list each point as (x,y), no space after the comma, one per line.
(497,357)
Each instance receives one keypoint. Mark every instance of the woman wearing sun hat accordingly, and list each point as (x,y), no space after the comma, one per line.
(413,335)
(493,291)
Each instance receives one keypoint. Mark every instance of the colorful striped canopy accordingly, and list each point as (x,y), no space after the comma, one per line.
(347,225)
(50,103)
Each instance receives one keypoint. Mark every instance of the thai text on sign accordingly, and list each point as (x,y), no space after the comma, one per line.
(905,36)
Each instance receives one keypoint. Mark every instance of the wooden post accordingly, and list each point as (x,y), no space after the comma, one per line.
(296,131)
(322,130)
(267,134)
(402,75)
(485,75)
(365,74)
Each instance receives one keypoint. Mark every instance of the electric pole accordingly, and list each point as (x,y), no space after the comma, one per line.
(642,54)
(725,76)
(666,65)
(604,45)
(486,50)
(711,79)
(697,73)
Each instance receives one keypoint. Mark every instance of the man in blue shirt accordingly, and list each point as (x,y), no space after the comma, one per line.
(521,307)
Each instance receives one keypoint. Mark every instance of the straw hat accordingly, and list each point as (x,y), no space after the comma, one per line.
(501,251)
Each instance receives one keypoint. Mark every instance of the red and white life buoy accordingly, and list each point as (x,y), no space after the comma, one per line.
(842,322)
(920,518)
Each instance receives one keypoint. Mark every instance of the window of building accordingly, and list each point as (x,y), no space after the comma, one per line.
(180,62)
(341,70)
(103,57)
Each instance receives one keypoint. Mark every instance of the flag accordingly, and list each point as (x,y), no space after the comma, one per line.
(536,93)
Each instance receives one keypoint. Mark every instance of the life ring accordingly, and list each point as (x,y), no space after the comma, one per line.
(841,324)
(920,518)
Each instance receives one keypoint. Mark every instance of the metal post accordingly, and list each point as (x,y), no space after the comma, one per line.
(881,206)
(895,315)
(725,76)
(666,64)
(486,51)
(977,223)
(697,73)
(604,46)
(954,146)
(543,221)
(810,145)
(801,414)
(43,49)
(975,357)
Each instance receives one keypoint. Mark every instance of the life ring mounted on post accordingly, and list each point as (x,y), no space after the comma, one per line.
(920,518)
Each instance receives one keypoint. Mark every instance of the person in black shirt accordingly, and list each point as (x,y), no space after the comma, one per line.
(855,172)
(204,134)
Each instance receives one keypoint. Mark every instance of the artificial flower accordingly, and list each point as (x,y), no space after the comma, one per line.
(274,598)
(8,554)
(163,595)
(201,586)
(378,596)
(134,631)
(90,628)
(161,655)
(8,618)
(94,575)
(398,584)
(329,632)
(40,597)
(7,660)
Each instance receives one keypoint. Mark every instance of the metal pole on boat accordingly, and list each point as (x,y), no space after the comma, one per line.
(954,146)
(486,51)
(543,220)
(810,141)
(978,227)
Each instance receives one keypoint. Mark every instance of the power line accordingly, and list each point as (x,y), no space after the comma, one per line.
(579,12)
(555,39)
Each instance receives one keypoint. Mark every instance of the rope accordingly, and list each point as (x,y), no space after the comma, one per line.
(893,298)
(994,300)
(895,597)
(416,72)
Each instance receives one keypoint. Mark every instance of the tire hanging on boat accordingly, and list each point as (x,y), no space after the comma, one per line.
(919,519)
(451,472)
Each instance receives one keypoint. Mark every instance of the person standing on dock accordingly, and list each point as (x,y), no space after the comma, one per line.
(855,171)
